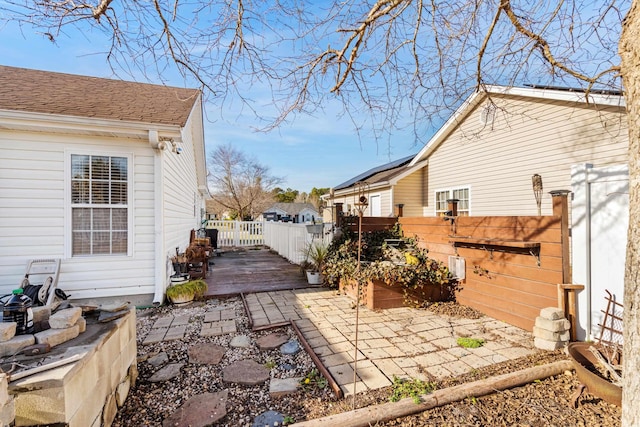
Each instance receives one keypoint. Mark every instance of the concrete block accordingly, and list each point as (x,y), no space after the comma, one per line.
(65,319)
(15,344)
(7,331)
(559,325)
(57,336)
(543,344)
(550,336)
(552,313)
(40,407)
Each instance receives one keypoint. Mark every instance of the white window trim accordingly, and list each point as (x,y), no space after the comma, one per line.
(450,190)
(68,242)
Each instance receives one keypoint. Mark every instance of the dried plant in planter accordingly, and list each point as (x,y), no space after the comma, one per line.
(186,291)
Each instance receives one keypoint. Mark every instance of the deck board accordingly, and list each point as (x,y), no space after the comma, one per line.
(240,270)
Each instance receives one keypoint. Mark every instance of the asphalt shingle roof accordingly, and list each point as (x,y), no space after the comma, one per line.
(39,91)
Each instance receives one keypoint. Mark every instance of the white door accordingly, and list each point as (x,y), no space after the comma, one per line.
(599,217)
(375,205)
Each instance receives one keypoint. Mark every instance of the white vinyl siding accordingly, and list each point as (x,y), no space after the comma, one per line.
(35,204)
(527,137)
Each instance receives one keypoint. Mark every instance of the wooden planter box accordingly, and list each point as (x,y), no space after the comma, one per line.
(378,295)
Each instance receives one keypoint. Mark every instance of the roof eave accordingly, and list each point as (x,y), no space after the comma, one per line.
(58,123)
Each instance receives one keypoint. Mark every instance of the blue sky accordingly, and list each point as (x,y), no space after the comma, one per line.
(312,151)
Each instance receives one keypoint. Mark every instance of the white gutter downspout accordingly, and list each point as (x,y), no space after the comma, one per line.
(587,217)
(158,204)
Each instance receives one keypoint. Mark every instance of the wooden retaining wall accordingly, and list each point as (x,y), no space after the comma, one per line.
(513,264)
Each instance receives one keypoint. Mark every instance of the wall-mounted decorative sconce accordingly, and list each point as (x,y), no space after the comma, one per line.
(536,182)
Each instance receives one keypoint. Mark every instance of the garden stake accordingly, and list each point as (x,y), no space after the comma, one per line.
(360,205)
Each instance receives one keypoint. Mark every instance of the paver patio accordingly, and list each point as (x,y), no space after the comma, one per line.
(402,342)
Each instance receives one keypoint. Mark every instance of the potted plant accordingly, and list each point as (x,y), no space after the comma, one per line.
(316,256)
(181,293)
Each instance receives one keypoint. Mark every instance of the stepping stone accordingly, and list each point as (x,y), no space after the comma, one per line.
(206,354)
(271,341)
(281,387)
(246,372)
(170,371)
(290,347)
(159,359)
(269,418)
(199,411)
(241,341)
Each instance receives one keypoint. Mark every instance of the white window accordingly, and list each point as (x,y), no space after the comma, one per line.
(99,205)
(461,193)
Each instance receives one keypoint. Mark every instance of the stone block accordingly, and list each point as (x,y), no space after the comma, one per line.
(109,412)
(550,336)
(82,324)
(122,391)
(552,313)
(543,344)
(57,336)
(41,314)
(559,325)
(282,387)
(15,344)
(7,331)
(4,389)
(65,319)
(8,413)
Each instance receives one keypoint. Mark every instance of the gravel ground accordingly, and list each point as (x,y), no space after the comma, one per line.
(542,403)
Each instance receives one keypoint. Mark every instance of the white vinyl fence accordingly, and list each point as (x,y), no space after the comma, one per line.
(237,233)
(290,240)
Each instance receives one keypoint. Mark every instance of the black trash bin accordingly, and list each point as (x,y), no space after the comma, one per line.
(212,234)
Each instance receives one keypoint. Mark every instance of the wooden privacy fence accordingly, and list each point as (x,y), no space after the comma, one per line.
(513,265)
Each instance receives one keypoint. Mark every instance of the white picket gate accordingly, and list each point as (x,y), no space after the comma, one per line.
(237,233)
(288,239)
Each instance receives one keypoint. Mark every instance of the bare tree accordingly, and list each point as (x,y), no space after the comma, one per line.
(239,183)
(385,60)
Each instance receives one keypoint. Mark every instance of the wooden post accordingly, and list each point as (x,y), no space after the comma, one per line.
(567,303)
(559,199)
(400,206)
(339,214)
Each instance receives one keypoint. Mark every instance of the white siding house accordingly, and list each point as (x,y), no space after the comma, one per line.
(109,176)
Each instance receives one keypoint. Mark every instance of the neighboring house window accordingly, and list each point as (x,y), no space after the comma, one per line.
(99,205)
(462,194)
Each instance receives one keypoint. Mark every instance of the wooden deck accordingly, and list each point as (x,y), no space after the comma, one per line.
(242,270)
